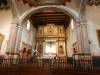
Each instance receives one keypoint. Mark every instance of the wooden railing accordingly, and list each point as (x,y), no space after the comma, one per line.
(51,63)
(43,63)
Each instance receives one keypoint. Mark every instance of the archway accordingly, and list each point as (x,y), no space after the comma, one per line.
(63,9)
(80,44)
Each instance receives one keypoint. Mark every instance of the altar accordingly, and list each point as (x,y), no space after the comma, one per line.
(51,41)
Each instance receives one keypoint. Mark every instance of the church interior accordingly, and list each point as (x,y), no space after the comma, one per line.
(64,30)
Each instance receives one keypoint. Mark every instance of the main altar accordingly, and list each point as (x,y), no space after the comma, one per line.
(51,40)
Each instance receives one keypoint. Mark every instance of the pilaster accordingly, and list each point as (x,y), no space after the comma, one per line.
(82,29)
(82,37)
(14,37)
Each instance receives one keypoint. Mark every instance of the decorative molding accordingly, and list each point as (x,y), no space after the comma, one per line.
(93,2)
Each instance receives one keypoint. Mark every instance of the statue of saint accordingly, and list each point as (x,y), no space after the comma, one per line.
(61,50)
(50,28)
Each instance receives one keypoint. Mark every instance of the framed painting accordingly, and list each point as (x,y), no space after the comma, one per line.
(98,35)
(1,39)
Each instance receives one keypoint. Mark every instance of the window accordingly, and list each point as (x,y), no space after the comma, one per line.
(28,25)
(72,24)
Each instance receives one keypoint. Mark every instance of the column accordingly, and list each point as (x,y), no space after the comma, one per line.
(18,38)
(82,37)
(78,35)
(14,37)
(82,33)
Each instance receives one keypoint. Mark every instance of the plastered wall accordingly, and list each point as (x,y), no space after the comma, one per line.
(5,24)
(93,22)
(28,37)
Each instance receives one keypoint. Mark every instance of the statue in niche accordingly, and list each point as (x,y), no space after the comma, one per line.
(40,30)
(50,28)
(74,48)
(60,30)
(40,49)
(61,50)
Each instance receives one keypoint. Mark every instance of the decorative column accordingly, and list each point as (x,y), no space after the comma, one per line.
(18,37)
(82,33)
(15,31)
(14,37)
(78,35)
(82,37)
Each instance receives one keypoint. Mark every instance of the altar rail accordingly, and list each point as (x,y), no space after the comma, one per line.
(51,63)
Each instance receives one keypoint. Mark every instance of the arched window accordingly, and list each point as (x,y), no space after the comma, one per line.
(28,25)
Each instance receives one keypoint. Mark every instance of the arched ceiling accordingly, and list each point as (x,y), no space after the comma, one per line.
(42,18)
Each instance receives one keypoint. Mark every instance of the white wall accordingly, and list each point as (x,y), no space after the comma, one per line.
(21,7)
(93,21)
(28,37)
(5,24)
(74,5)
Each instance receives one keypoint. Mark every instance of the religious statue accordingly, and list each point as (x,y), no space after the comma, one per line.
(50,28)
(61,50)
(61,30)
(40,30)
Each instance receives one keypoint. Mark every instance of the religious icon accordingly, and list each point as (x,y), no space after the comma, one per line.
(40,31)
(61,30)
(50,28)
(75,48)
(61,50)
(40,49)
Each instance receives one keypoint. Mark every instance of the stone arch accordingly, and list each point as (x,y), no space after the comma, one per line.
(33,10)
(81,45)
(22,18)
